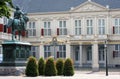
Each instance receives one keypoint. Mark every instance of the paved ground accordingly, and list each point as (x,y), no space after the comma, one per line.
(79,74)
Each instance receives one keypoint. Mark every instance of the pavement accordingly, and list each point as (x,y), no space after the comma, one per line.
(79,74)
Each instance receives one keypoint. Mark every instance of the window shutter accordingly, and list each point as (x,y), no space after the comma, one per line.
(23,33)
(113,30)
(113,54)
(16,33)
(57,31)
(1,28)
(9,30)
(42,32)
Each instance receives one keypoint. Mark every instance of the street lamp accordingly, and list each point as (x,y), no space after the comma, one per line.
(106,58)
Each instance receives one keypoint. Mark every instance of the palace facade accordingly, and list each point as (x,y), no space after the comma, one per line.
(85,33)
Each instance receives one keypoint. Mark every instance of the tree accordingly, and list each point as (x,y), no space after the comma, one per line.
(41,66)
(32,67)
(50,68)
(68,68)
(5,8)
(59,66)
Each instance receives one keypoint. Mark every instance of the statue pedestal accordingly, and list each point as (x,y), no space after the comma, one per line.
(15,53)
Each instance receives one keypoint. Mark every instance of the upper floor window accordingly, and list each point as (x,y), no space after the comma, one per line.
(89,26)
(77,27)
(101,26)
(47,28)
(62,28)
(117,26)
(5,20)
(31,29)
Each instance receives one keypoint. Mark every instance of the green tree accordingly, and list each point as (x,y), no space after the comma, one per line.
(41,66)
(5,8)
(59,66)
(32,67)
(50,68)
(68,68)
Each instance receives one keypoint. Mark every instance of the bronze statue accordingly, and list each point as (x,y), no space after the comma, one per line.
(18,23)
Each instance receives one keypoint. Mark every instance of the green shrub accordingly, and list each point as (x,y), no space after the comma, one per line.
(68,68)
(41,66)
(31,68)
(59,66)
(50,68)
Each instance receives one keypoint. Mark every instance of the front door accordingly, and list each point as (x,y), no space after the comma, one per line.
(89,54)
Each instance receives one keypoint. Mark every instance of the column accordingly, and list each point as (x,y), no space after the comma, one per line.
(80,50)
(41,50)
(68,50)
(95,65)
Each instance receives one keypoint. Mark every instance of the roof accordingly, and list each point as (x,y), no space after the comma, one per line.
(33,6)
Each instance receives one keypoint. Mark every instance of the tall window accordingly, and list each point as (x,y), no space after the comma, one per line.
(47,30)
(117,26)
(101,53)
(31,29)
(34,50)
(62,51)
(117,50)
(62,28)
(47,51)
(101,26)
(89,53)
(77,27)
(89,26)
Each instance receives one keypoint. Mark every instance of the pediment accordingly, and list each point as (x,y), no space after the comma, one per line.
(89,6)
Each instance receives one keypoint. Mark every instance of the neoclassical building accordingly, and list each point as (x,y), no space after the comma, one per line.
(79,29)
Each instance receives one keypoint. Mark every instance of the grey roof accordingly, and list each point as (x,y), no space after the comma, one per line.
(32,6)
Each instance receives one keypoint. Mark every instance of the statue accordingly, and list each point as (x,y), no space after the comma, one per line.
(18,23)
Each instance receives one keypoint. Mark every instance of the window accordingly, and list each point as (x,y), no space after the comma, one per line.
(77,27)
(116,53)
(89,27)
(117,26)
(34,50)
(62,28)
(47,51)
(89,53)
(5,20)
(101,53)
(62,51)
(47,30)
(31,29)
(101,26)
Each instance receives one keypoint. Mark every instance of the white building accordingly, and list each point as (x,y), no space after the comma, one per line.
(81,31)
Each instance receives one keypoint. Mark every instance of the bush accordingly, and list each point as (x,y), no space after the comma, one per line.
(68,68)
(31,68)
(50,68)
(59,66)
(41,66)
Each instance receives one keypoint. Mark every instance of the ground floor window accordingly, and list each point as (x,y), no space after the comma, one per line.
(61,53)
(116,52)
(89,53)
(101,53)
(47,51)
(34,50)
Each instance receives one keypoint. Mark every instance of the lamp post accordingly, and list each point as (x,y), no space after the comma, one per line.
(106,58)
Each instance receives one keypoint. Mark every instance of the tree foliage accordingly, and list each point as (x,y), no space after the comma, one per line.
(59,66)
(50,68)
(68,68)
(32,67)
(41,66)
(5,8)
